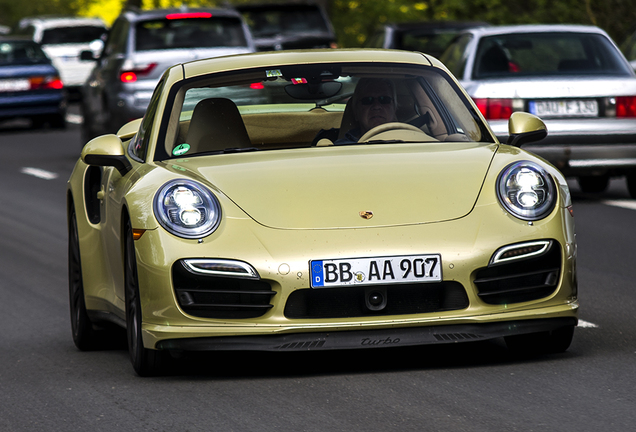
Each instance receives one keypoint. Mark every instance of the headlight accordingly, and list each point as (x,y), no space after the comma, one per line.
(187,209)
(526,190)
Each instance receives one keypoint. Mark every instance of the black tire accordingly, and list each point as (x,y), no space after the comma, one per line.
(593,184)
(631,184)
(58,121)
(146,362)
(552,342)
(84,335)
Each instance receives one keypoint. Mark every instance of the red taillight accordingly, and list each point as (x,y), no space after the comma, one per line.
(495,109)
(186,15)
(257,86)
(130,75)
(38,83)
(626,106)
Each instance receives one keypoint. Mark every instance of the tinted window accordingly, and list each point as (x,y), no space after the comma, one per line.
(189,33)
(548,53)
(140,144)
(72,35)
(21,52)
(117,38)
(265,23)
(427,42)
(455,56)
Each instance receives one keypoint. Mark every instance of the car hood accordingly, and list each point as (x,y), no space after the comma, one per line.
(320,188)
(552,87)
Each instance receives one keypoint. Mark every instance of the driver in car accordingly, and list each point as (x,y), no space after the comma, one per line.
(374,103)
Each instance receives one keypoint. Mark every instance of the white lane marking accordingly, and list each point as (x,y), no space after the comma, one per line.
(624,203)
(74,118)
(39,173)
(587,324)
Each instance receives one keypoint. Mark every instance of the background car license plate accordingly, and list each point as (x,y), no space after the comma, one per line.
(14,85)
(382,270)
(564,108)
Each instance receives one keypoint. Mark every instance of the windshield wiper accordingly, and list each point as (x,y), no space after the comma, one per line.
(229,150)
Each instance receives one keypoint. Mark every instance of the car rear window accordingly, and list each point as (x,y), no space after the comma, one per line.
(548,54)
(179,33)
(284,20)
(71,35)
(21,52)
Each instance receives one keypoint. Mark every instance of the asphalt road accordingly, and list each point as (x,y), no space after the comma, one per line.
(48,385)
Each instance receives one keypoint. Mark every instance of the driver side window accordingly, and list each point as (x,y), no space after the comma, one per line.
(140,144)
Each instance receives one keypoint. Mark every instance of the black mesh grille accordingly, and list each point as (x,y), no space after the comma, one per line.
(401,299)
(211,296)
(520,280)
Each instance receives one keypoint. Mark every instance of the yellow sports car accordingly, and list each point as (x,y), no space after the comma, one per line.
(316,200)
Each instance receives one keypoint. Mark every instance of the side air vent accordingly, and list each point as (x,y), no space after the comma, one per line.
(525,276)
(204,290)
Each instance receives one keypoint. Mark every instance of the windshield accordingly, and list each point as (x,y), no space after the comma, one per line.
(21,52)
(72,35)
(316,106)
(182,33)
(530,54)
(289,20)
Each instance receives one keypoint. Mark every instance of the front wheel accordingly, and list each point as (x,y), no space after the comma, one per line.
(84,336)
(631,183)
(593,184)
(146,362)
(550,342)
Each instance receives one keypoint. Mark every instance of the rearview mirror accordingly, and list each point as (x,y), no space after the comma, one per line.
(524,127)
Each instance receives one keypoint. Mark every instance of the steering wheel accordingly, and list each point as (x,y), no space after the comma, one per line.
(396,130)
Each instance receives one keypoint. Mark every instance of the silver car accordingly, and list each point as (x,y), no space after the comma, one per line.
(573,77)
(140,46)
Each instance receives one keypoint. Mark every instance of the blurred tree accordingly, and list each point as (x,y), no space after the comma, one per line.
(355,20)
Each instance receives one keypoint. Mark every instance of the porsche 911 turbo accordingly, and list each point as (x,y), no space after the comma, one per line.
(317,200)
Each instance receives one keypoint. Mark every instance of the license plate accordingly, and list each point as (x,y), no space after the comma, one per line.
(378,270)
(14,85)
(564,108)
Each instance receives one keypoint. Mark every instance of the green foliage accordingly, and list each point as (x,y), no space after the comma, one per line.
(13,11)
(355,20)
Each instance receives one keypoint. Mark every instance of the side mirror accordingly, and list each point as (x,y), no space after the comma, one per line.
(106,150)
(94,51)
(524,128)
(87,56)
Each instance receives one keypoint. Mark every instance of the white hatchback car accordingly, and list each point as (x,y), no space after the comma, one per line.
(573,77)
(63,39)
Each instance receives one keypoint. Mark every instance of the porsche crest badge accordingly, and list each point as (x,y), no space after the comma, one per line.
(366,214)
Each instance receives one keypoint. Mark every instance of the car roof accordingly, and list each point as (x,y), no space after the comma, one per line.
(437,25)
(275,6)
(142,15)
(534,28)
(61,21)
(293,57)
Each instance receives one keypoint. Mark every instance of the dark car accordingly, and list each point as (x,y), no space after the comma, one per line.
(430,37)
(140,46)
(289,26)
(30,86)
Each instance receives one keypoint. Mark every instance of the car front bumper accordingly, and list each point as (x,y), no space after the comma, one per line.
(377,338)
